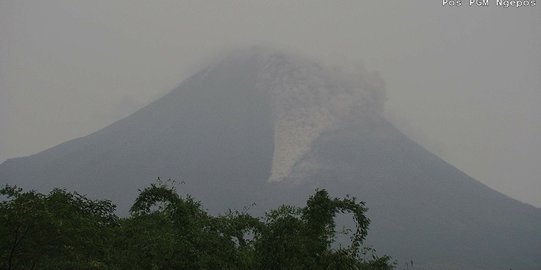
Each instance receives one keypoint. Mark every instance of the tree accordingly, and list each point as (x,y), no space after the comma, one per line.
(166,231)
(301,238)
(63,230)
(54,231)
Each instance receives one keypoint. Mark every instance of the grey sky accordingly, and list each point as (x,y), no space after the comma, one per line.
(464,82)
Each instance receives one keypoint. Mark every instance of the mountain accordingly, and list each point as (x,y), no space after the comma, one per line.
(267,127)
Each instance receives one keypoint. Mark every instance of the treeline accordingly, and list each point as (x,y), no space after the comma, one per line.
(65,230)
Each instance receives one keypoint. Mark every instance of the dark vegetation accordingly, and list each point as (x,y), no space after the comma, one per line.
(64,230)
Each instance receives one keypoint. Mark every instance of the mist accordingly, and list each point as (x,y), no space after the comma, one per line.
(425,112)
(465,79)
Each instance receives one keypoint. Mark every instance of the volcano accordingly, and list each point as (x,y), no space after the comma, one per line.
(261,128)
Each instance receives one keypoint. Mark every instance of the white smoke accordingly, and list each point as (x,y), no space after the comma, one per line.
(308,99)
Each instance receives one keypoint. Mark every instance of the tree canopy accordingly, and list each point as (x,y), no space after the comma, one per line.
(66,230)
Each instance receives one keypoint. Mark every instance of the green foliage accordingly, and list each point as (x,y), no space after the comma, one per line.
(301,238)
(169,232)
(54,231)
(63,230)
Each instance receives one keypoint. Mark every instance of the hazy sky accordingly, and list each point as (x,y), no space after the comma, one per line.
(464,82)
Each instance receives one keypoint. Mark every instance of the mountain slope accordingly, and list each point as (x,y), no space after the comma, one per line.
(422,208)
(267,127)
